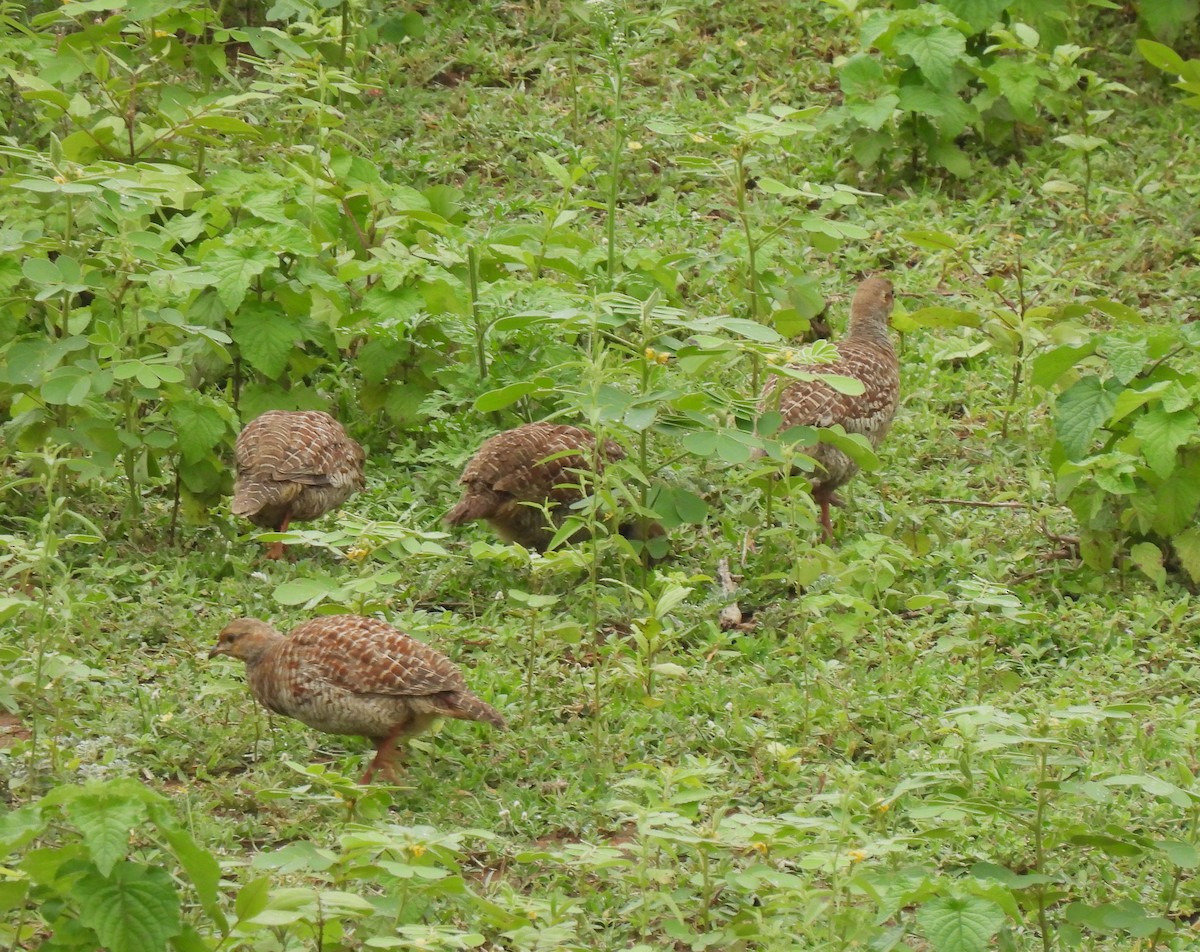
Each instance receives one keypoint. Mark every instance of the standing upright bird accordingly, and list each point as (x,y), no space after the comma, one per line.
(348,674)
(294,466)
(866,354)
(516,473)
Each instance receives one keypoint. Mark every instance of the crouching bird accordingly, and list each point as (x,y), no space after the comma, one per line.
(348,674)
(294,466)
(519,476)
(866,354)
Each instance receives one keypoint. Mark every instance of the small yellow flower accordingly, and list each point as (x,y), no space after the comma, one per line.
(166,718)
(634,145)
(663,358)
(417,850)
(358,553)
(883,807)
(532,913)
(740,44)
(759,847)
(60,179)
(697,137)
(161,33)
(772,358)
(650,354)
(857,856)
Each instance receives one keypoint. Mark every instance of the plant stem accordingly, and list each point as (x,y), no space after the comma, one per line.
(1039,847)
(477,314)
(614,170)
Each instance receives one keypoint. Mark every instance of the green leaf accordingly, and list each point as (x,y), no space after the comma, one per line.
(105,820)
(201,866)
(981,14)
(1161,57)
(1187,550)
(266,337)
(1162,434)
(862,75)
(306,591)
(506,396)
(1079,412)
(1149,558)
(936,51)
(1168,19)
(1126,357)
(931,240)
(960,924)
(235,270)
(252,898)
(198,428)
(1176,500)
(134,910)
(1050,366)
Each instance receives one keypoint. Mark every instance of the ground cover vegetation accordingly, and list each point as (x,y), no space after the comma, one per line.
(969,722)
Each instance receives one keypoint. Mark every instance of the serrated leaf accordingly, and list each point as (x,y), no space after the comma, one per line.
(1126,357)
(1162,434)
(936,51)
(1187,550)
(1175,502)
(134,910)
(265,337)
(198,428)
(960,924)
(862,75)
(1079,412)
(105,821)
(235,270)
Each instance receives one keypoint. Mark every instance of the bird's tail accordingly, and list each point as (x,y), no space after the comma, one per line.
(248,497)
(468,707)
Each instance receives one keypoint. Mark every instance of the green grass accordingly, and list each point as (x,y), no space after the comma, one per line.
(941,707)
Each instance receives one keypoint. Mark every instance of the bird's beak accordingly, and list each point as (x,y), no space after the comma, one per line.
(217,649)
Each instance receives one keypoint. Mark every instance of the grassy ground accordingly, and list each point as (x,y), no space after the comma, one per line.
(941,714)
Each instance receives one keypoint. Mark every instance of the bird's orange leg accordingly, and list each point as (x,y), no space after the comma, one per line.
(276,551)
(385,756)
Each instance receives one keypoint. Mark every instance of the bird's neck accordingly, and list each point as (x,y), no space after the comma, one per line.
(870,331)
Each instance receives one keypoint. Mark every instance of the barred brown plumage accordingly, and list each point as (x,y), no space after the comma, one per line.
(537,463)
(294,466)
(866,354)
(348,674)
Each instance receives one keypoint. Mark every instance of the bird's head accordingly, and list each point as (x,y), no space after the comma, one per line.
(874,299)
(246,639)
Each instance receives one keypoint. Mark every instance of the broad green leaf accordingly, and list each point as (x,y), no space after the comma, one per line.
(1155,786)
(1176,500)
(1050,366)
(940,316)
(265,337)
(931,240)
(1149,558)
(1162,434)
(960,924)
(862,75)
(874,113)
(70,385)
(134,910)
(981,14)
(1187,550)
(1181,853)
(105,820)
(235,270)
(252,898)
(1161,57)
(1130,399)
(306,591)
(561,175)
(201,866)
(506,396)
(1079,412)
(1126,357)
(936,51)
(1168,19)
(198,428)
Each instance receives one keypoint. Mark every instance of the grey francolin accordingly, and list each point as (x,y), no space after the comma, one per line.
(348,674)
(294,466)
(517,474)
(866,354)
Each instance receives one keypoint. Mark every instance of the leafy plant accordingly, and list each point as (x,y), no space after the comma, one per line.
(1127,454)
